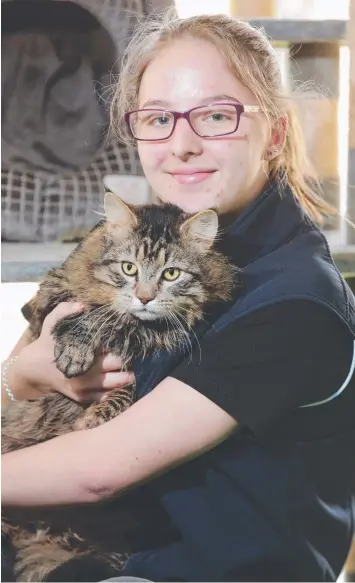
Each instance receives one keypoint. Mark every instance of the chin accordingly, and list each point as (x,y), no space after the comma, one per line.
(193,203)
(145,315)
(191,198)
(194,207)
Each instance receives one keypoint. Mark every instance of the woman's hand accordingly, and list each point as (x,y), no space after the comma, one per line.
(35,373)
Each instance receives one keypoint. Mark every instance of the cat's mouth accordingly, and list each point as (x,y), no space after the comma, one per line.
(145,311)
(145,314)
(148,310)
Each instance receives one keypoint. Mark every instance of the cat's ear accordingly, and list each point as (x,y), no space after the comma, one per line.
(117,212)
(202,228)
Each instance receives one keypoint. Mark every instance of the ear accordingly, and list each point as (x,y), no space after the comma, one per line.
(118,212)
(201,228)
(277,138)
(28,309)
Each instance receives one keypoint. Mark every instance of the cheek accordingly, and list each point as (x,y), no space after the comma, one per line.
(151,156)
(127,288)
(232,157)
(242,158)
(169,292)
(179,289)
(163,292)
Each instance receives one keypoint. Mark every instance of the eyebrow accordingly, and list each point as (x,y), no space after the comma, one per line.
(206,101)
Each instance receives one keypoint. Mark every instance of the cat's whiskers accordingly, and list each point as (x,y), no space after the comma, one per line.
(124,317)
(167,322)
(183,335)
(99,313)
(82,339)
(112,329)
(118,317)
(191,330)
(96,321)
(194,313)
(100,328)
(88,315)
(173,337)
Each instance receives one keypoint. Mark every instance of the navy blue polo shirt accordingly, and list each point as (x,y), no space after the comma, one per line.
(275,501)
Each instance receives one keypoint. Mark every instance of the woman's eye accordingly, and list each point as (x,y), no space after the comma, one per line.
(154,120)
(171,273)
(129,268)
(218,117)
(160,121)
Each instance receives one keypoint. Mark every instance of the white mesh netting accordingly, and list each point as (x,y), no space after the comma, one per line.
(42,202)
(42,206)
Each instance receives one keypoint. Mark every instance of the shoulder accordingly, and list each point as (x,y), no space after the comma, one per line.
(271,362)
(301,269)
(315,326)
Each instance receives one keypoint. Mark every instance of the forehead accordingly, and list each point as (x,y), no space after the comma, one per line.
(152,253)
(187,72)
(149,251)
(155,238)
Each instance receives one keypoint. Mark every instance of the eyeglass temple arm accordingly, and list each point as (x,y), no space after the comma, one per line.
(251,108)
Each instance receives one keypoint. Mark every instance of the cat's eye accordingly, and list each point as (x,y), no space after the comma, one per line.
(171,273)
(129,268)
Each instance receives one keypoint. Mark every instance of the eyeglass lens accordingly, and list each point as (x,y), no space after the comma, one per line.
(210,121)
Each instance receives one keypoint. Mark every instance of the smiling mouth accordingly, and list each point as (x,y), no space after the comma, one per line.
(192,177)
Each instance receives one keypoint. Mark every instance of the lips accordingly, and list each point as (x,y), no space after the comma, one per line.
(191,176)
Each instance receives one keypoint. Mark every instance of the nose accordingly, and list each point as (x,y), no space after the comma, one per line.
(184,142)
(145,299)
(145,293)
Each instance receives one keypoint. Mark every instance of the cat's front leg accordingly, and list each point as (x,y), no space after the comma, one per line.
(76,340)
(115,403)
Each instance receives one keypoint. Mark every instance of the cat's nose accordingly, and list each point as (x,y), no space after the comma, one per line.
(145,292)
(145,299)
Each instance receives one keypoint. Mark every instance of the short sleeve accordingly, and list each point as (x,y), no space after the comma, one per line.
(269,363)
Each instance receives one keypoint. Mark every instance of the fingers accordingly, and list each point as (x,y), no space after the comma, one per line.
(115,380)
(97,387)
(110,362)
(103,376)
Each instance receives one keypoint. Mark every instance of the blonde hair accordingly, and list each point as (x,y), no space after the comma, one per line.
(252,59)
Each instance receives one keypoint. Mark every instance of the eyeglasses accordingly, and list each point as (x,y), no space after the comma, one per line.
(207,121)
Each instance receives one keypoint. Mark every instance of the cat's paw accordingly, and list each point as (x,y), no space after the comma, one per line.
(72,358)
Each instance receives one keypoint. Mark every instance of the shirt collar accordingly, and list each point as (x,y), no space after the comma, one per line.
(268,222)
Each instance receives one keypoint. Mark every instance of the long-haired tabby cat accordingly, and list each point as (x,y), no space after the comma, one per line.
(145,277)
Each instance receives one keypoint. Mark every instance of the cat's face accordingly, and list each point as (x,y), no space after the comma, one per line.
(154,258)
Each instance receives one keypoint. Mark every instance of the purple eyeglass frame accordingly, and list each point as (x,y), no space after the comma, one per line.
(240,109)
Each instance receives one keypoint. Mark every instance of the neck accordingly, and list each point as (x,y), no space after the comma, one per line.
(245,198)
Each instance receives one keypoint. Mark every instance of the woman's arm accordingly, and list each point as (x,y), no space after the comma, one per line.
(170,425)
(35,374)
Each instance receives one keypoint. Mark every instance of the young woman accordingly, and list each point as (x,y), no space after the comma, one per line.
(249,445)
